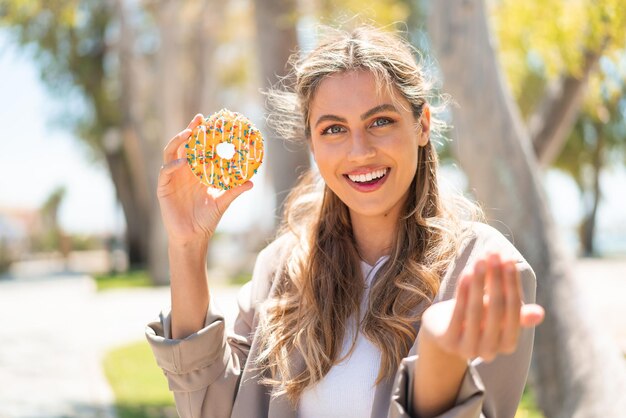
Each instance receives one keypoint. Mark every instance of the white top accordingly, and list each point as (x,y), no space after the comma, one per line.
(347,390)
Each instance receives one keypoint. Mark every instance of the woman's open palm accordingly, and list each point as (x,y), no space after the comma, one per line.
(190,210)
(487,314)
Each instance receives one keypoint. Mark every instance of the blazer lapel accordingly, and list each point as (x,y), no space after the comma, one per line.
(280,406)
(254,400)
(382,398)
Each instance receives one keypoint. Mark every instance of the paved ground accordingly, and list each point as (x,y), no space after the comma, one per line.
(603,283)
(55,328)
(54,331)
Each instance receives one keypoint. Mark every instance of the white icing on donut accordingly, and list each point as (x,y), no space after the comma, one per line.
(213,142)
(247,161)
(257,158)
(203,129)
(195,151)
(241,153)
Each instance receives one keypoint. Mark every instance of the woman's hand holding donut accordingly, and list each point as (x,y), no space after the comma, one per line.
(189,209)
(483,320)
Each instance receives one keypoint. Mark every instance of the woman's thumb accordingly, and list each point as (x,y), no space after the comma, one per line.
(230,195)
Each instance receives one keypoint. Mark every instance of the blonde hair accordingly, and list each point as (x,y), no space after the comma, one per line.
(321,287)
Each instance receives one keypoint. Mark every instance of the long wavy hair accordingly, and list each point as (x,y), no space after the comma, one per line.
(321,286)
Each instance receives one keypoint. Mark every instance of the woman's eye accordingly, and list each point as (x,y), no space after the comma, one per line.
(381,122)
(334,129)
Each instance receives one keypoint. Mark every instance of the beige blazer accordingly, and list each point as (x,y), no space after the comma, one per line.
(211,371)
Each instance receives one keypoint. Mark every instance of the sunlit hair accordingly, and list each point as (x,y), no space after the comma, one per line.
(321,287)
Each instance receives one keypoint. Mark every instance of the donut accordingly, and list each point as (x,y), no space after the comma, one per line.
(225,150)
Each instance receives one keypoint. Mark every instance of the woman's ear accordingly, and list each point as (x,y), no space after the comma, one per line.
(424,126)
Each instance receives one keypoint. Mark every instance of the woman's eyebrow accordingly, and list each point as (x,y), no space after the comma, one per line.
(380,108)
(330,117)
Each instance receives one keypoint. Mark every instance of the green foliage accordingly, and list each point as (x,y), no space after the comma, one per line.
(237,41)
(69,42)
(601,128)
(50,208)
(536,47)
(80,242)
(236,73)
(50,237)
(542,40)
(525,28)
(240,279)
(383,12)
(598,137)
(138,384)
(528,406)
(46,241)
(130,279)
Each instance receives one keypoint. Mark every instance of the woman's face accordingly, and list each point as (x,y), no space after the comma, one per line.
(365,142)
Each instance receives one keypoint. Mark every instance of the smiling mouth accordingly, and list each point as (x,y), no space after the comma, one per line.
(369,178)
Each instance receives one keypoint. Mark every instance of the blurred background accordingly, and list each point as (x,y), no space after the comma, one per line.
(91,91)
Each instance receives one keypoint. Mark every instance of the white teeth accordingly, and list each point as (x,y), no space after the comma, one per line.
(360,178)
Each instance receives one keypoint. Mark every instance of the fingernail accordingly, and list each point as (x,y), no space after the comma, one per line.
(480,268)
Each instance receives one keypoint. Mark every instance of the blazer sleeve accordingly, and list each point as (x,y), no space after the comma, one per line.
(203,370)
(489,390)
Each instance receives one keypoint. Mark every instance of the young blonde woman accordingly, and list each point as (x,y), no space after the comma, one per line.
(375,299)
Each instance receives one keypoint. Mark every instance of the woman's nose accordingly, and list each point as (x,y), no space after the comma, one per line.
(360,147)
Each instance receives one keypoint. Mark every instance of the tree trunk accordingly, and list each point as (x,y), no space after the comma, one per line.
(171,87)
(589,222)
(134,182)
(205,19)
(165,111)
(136,242)
(276,40)
(550,125)
(577,371)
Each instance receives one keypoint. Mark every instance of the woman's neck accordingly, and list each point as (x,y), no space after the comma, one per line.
(374,235)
